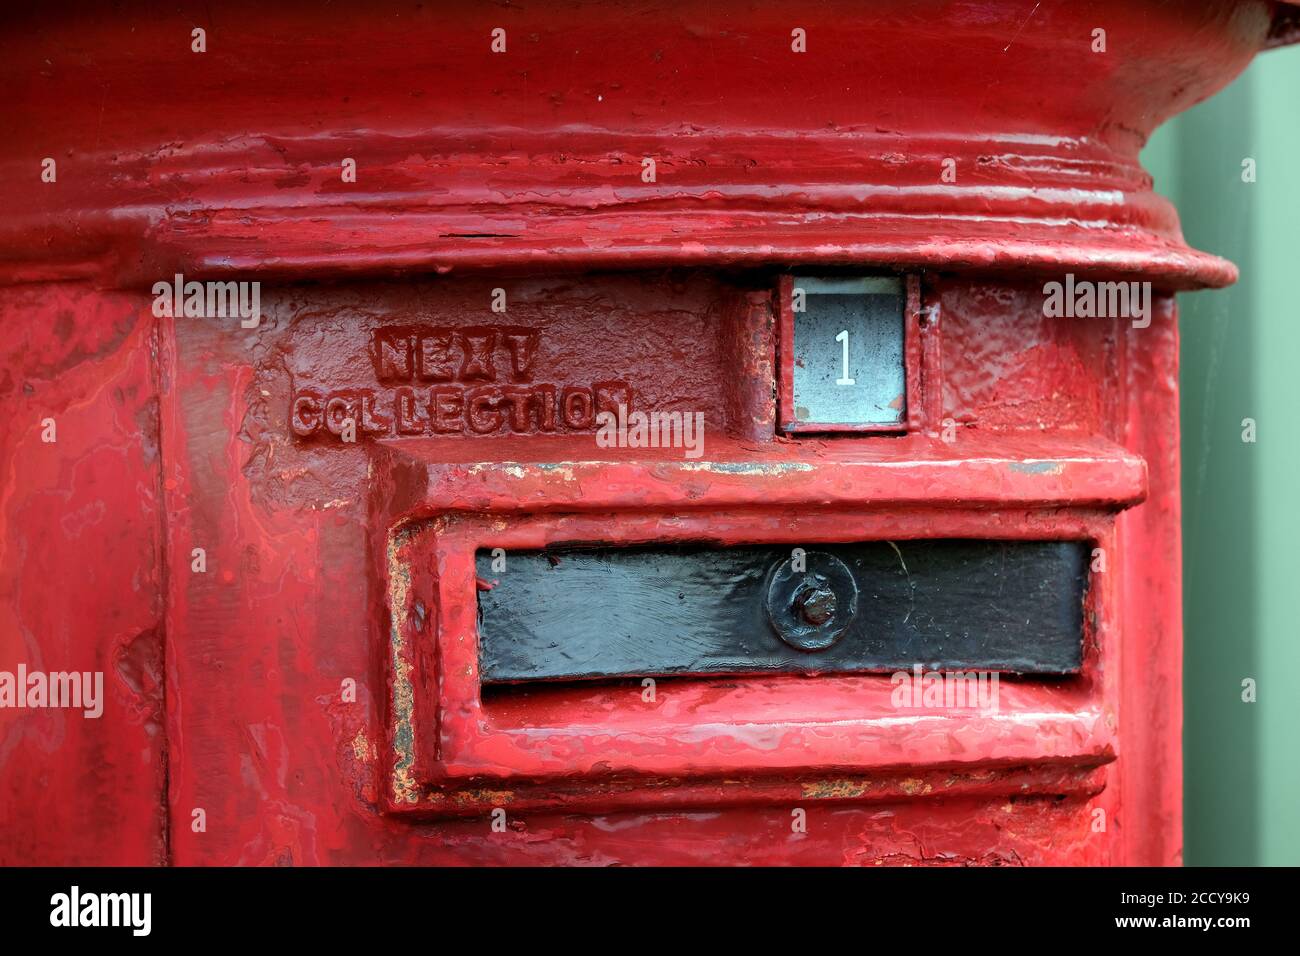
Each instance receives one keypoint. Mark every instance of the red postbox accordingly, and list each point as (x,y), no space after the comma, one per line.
(656,434)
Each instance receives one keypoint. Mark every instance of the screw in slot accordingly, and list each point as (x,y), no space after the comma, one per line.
(810,608)
(815,602)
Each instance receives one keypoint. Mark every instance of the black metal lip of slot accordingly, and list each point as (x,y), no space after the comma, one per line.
(603,615)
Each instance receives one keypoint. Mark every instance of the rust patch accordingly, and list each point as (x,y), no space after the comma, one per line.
(362,749)
(495,798)
(405,789)
(835,789)
(912,786)
(1037,467)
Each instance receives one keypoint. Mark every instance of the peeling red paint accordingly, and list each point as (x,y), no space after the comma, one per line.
(81,578)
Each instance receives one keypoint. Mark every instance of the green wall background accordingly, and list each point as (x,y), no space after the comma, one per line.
(1240,359)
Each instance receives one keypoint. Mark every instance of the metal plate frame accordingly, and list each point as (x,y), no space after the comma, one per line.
(915,353)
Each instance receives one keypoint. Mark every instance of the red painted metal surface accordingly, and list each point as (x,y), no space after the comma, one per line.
(331,563)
